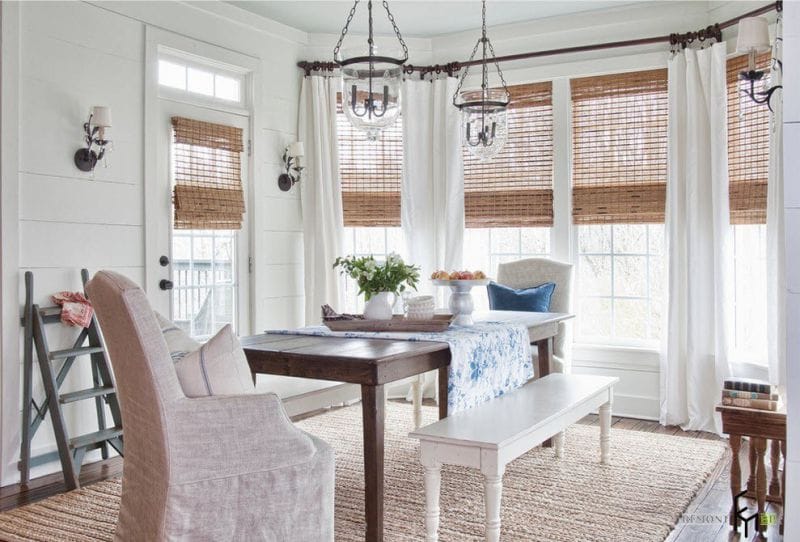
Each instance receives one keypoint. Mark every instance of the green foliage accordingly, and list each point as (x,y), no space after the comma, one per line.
(373,277)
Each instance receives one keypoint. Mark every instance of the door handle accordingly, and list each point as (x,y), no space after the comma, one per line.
(165,284)
(163,261)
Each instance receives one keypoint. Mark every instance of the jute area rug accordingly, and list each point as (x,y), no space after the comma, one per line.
(638,497)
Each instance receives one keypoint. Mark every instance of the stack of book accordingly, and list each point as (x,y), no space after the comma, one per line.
(750,393)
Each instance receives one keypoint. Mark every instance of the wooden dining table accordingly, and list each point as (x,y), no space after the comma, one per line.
(374,363)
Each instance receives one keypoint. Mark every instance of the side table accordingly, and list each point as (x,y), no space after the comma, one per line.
(760,426)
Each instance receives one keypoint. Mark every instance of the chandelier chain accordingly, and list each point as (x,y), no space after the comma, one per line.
(396,30)
(464,74)
(497,65)
(344,30)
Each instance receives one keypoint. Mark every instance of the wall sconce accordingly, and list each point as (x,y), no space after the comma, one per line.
(753,39)
(291,159)
(95,134)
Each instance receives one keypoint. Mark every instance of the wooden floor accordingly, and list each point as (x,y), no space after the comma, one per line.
(707,512)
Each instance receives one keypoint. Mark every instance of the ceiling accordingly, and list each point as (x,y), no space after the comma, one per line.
(416,18)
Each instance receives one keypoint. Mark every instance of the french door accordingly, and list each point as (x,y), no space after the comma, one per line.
(203,274)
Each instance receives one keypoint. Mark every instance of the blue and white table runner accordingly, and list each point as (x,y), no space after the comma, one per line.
(487,359)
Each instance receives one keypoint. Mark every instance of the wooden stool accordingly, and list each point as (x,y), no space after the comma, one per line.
(760,426)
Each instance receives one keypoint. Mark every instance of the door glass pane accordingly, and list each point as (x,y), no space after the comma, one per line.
(204,277)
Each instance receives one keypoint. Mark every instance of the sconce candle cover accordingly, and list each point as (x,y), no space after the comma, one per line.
(94,135)
(296,149)
(291,160)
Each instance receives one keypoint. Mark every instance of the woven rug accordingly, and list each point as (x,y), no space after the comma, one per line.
(638,497)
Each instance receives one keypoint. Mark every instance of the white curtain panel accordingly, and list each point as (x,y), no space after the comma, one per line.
(694,359)
(776,277)
(321,195)
(432,214)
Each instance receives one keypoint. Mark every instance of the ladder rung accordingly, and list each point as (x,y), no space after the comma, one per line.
(72,352)
(85,394)
(93,438)
(50,314)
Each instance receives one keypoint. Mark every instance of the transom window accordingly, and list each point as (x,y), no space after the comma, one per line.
(206,82)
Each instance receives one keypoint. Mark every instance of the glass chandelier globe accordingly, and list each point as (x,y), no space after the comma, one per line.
(484,122)
(371,91)
(371,80)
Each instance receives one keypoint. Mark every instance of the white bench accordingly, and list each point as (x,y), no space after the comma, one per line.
(491,435)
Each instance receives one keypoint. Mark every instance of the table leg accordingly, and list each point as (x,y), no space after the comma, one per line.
(736,477)
(416,399)
(493,495)
(433,480)
(774,463)
(372,405)
(444,375)
(605,432)
(544,347)
(751,459)
(760,445)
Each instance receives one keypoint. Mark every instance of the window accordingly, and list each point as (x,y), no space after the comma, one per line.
(621,275)
(202,81)
(486,248)
(208,204)
(619,142)
(748,164)
(378,242)
(515,187)
(508,200)
(371,173)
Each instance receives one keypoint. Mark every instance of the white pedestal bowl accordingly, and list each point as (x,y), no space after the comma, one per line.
(461,303)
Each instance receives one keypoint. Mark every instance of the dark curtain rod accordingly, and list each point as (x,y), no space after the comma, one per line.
(710,32)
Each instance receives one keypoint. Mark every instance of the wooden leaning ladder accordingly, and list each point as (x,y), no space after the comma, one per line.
(71,450)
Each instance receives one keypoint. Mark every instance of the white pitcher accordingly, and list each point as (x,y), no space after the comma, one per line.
(378,307)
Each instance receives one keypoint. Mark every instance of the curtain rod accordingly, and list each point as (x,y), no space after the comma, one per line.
(710,32)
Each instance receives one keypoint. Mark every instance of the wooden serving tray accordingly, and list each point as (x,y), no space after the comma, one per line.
(439,322)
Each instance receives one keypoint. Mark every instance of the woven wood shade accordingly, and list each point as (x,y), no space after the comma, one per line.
(748,146)
(371,174)
(208,175)
(515,188)
(619,148)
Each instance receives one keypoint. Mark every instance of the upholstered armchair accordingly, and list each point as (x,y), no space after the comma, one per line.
(532,272)
(212,468)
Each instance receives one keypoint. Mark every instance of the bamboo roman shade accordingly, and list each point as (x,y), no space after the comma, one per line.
(748,146)
(619,148)
(371,174)
(515,188)
(208,175)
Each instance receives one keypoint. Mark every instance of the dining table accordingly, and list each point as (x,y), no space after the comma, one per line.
(374,363)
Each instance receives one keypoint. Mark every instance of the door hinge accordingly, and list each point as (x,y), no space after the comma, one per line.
(249,147)
(250,264)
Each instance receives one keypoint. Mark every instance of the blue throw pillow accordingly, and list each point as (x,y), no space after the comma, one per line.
(536,299)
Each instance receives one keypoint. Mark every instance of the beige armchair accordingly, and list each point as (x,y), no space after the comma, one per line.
(212,468)
(533,272)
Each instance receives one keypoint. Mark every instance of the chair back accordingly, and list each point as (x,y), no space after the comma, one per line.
(146,380)
(532,272)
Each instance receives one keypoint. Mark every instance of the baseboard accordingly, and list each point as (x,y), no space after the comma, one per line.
(633,406)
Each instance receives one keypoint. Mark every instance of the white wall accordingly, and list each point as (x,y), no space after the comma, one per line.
(59,59)
(791,112)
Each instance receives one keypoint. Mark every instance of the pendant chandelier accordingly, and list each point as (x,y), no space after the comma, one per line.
(484,111)
(370,82)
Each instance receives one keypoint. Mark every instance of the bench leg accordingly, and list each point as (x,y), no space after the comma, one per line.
(492,494)
(605,432)
(558,444)
(416,399)
(433,478)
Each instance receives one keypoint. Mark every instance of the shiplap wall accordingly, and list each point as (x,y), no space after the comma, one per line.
(68,56)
